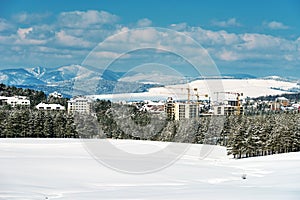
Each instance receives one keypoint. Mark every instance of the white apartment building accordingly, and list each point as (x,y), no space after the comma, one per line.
(80,105)
(45,106)
(179,110)
(15,100)
(186,111)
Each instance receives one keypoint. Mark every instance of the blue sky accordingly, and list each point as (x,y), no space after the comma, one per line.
(255,37)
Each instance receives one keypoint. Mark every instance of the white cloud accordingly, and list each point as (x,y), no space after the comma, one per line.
(68,40)
(86,19)
(145,22)
(23,39)
(228,55)
(109,55)
(274,25)
(144,35)
(262,42)
(213,38)
(74,33)
(23,32)
(228,23)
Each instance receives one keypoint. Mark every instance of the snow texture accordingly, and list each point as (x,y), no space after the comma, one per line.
(249,88)
(63,169)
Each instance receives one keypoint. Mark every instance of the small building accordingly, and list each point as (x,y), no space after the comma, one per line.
(282,101)
(14,101)
(279,103)
(80,104)
(56,95)
(153,107)
(45,106)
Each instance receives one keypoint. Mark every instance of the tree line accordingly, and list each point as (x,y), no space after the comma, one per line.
(36,124)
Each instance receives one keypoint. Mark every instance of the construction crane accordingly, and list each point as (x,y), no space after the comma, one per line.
(238,99)
(188,93)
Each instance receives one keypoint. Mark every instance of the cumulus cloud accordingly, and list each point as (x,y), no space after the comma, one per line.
(23,39)
(85,19)
(227,23)
(213,38)
(22,32)
(274,25)
(262,42)
(70,36)
(145,22)
(71,41)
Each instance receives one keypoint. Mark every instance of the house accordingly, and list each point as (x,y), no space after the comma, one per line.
(56,95)
(279,103)
(282,101)
(80,104)
(45,106)
(153,107)
(14,101)
(230,106)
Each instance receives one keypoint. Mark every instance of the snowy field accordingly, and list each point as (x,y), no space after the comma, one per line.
(63,169)
(249,87)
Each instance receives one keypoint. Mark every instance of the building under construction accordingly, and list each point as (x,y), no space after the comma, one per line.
(230,106)
(181,110)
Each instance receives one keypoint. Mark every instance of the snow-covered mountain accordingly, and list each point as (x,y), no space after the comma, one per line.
(249,87)
(41,75)
(69,80)
(18,77)
(76,79)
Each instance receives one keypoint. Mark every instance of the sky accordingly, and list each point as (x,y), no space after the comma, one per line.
(256,37)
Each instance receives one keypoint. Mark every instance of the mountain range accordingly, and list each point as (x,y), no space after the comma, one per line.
(69,80)
(73,80)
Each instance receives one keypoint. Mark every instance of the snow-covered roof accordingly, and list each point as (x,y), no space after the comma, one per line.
(53,106)
(281,99)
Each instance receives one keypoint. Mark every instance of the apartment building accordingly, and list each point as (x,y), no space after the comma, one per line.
(80,105)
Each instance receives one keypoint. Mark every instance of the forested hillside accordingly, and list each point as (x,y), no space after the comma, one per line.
(34,123)
(34,96)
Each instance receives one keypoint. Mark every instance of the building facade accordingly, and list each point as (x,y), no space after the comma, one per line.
(80,105)
(15,101)
(186,111)
(170,108)
(179,110)
(45,106)
(228,110)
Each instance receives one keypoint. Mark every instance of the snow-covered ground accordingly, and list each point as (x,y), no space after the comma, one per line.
(63,169)
(249,87)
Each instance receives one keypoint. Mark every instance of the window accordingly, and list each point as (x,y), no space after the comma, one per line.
(219,111)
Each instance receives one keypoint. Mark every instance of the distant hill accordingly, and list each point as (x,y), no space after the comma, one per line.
(238,76)
(69,80)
